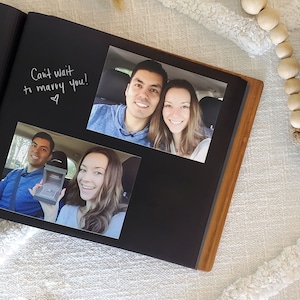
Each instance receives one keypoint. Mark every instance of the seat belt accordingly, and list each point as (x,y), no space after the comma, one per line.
(12,204)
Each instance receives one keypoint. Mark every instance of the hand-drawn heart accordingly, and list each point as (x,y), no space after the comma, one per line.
(55,98)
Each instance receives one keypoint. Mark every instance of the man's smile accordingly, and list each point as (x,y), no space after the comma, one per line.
(141,104)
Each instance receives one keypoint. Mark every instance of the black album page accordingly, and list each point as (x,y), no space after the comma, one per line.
(52,87)
(11,26)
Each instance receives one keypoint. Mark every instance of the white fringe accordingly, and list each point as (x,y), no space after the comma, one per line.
(243,31)
(269,279)
(215,17)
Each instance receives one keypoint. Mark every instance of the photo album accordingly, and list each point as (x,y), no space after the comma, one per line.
(115,142)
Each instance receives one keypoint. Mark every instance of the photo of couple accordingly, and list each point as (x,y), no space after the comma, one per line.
(156,112)
(95,198)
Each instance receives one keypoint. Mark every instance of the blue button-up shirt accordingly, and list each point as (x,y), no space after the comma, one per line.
(24,202)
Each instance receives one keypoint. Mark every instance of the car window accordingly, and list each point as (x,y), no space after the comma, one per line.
(17,156)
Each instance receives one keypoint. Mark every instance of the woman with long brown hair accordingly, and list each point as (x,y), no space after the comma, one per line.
(176,125)
(93,195)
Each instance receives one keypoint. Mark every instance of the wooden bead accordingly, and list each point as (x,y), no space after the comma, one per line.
(295,135)
(294,102)
(295,118)
(253,7)
(268,18)
(292,86)
(288,67)
(279,34)
(284,50)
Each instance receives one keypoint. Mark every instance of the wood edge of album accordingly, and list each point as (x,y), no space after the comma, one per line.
(220,209)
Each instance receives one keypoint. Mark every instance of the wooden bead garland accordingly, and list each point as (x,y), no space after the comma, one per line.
(288,68)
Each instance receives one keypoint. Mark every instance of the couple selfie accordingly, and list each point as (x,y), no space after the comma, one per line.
(157,113)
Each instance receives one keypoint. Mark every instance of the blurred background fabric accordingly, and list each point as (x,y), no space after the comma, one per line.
(263,223)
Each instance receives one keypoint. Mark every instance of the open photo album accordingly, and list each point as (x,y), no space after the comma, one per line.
(116,142)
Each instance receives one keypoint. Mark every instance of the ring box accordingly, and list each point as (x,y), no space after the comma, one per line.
(53,178)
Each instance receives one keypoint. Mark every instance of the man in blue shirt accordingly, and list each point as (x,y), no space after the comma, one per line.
(14,194)
(131,121)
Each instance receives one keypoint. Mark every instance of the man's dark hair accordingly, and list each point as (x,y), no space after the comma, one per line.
(151,66)
(45,136)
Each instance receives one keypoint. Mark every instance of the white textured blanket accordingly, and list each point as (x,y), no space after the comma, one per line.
(234,25)
(259,252)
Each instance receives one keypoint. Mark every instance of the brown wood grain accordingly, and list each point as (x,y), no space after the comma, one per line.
(221,207)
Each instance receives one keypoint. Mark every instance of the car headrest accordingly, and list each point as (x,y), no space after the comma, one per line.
(59,160)
(210,107)
(112,86)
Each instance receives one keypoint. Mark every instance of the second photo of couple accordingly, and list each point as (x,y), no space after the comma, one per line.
(68,181)
(156,105)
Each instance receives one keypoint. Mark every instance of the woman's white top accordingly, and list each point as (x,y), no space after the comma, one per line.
(200,152)
(68,217)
